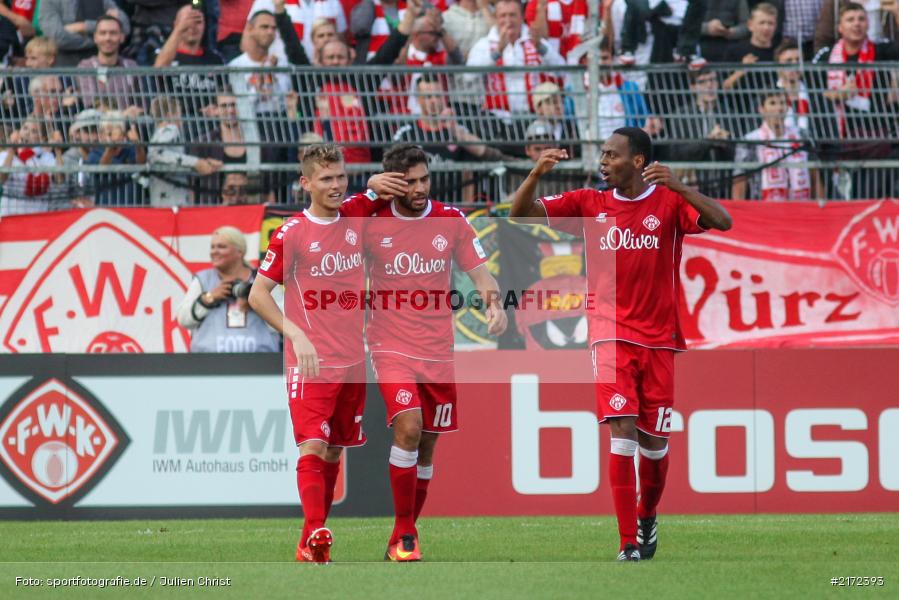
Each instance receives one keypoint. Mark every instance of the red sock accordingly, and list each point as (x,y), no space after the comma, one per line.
(403,474)
(332,471)
(623,480)
(311,483)
(421,494)
(652,484)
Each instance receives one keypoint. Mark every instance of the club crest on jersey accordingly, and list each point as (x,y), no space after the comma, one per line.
(387,242)
(601,217)
(326,429)
(57,441)
(617,401)
(440,243)
(403,397)
(315,247)
(351,237)
(651,223)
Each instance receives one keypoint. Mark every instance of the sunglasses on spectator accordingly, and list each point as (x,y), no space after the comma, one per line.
(234,190)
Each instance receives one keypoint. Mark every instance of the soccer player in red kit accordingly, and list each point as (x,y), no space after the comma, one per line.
(316,250)
(642,219)
(410,248)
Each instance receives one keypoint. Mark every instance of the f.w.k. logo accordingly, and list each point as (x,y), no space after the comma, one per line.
(57,441)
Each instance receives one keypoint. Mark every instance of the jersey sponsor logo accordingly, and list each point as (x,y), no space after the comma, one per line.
(403,397)
(326,429)
(315,247)
(333,263)
(387,242)
(617,401)
(868,249)
(651,223)
(351,237)
(414,264)
(439,242)
(479,250)
(624,239)
(57,441)
(601,217)
(269,259)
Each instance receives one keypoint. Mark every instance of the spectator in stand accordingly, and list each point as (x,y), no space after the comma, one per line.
(52,107)
(429,45)
(800,18)
(760,46)
(30,192)
(860,101)
(550,108)
(621,103)
(303,13)
(467,21)
(20,14)
(560,23)
(725,22)
(509,43)
(613,14)
(153,21)
(71,24)
(789,79)
(84,136)
(167,149)
(239,188)
(676,28)
(40,53)
(186,48)
(118,147)
(372,22)
(115,91)
(882,19)
(437,130)
(267,89)
(701,119)
(231,23)
(539,137)
(775,144)
(215,307)
(323,31)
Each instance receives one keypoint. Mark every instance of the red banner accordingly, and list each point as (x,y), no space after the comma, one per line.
(795,274)
(752,431)
(106,280)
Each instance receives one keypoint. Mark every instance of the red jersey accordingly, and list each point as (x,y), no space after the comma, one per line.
(317,260)
(410,265)
(644,236)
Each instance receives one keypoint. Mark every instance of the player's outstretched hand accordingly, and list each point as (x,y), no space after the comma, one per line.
(659,174)
(388,185)
(547,160)
(496,319)
(307,357)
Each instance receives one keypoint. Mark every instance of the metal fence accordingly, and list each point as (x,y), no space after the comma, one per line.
(124,137)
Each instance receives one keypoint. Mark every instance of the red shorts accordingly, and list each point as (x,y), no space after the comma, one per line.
(328,408)
(635,381)
(413,384)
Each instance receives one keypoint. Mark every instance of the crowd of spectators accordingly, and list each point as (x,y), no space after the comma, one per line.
(185,127)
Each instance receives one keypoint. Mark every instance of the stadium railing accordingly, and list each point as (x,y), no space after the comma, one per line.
(851,144)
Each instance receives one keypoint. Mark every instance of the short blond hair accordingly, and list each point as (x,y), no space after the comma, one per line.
(233,236)
(164,106)
(43,45)
(113,118)
(318,155)
(766,8)
(322,22)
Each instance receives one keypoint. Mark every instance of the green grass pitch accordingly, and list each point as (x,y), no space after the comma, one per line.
(764,556)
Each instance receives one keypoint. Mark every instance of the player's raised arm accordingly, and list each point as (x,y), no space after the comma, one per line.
(264,305)
(488,289)
(711,214)
(523,202)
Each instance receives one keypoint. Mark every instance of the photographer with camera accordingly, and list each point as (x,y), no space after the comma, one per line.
(215,307)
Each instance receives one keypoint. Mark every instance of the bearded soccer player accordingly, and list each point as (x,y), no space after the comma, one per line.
(642,219)
(410,248)
(321,249)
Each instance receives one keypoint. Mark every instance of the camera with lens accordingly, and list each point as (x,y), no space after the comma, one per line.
(241,289)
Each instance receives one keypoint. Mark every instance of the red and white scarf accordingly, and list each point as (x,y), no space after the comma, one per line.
(864,80)
(36,184)
(497,91)
(780,183)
